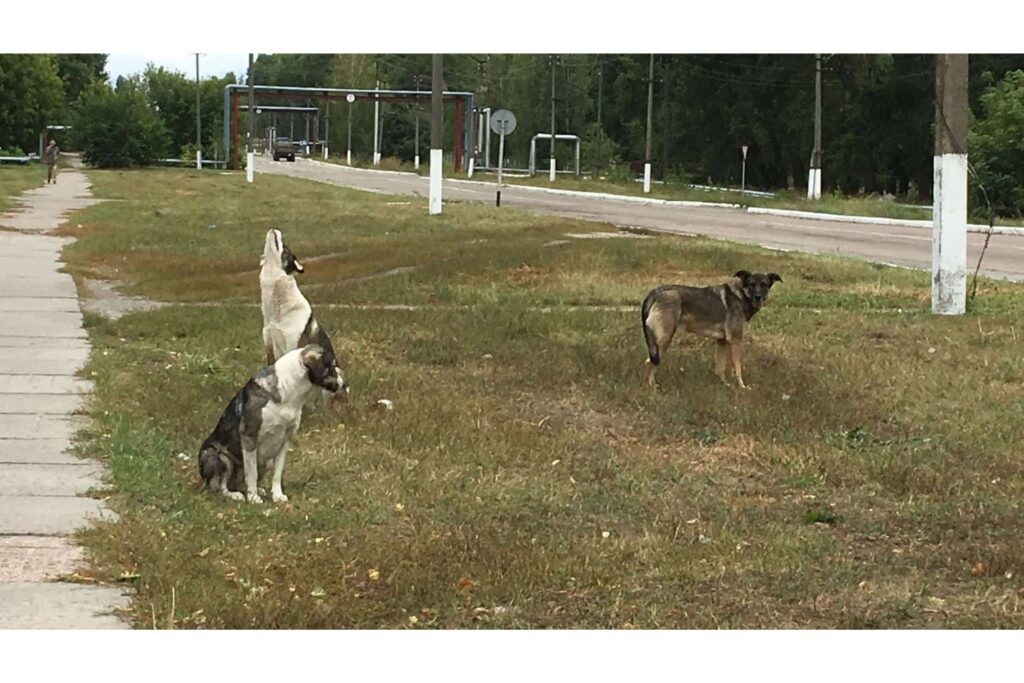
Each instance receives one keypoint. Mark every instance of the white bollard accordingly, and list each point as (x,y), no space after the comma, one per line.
(250,166)
(647,178)
(551,177)
(199,160)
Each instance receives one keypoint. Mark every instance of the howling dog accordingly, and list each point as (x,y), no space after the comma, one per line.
(257,426)
(288,321)
(720,312)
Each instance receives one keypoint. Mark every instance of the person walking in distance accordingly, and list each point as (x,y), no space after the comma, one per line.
(52,152)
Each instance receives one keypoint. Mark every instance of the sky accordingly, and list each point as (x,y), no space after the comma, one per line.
(210,64)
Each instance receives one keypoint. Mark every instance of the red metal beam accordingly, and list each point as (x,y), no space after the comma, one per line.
(232,162)
(458,135)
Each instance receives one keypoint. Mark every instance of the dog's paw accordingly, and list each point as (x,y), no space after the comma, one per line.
(234,495)
(254,498)
(280,497)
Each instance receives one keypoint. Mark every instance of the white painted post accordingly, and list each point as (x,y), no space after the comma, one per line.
(435,203)
(436,160)
(250,166)
(376,116)
(647,177)
(551,175)
(416,162)
(471,160)
(199,160)
(949,234)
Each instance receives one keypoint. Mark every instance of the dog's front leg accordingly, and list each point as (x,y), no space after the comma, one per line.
(275,488)
(720,359)
(252,493)
(734,353)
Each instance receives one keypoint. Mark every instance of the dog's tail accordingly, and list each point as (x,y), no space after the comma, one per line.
(211,467)
(652,345)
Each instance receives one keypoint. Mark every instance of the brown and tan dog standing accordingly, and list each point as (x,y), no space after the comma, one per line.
(720,312)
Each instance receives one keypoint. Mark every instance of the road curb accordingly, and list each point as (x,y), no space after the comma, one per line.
(874,220)
(649,201)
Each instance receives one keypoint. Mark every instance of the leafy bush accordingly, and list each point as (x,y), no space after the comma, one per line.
(118,128)
(12,151)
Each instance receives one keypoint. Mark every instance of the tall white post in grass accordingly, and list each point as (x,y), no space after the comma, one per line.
(436,133)
(650,119)
(949,234)
(551,177)
(250,150)
(376,125)
(814,174)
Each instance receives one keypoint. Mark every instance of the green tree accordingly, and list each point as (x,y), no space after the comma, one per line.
(119,127)
(31,96)
(996,144)
(78,72)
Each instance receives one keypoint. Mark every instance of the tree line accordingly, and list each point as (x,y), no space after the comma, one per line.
(878,112)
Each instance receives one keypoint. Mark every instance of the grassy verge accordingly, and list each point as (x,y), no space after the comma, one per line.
(526,477)
(15,179)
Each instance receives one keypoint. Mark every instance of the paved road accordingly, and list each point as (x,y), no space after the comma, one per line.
(42,486)
(896,245)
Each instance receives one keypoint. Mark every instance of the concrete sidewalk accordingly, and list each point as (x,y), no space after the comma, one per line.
(42,485)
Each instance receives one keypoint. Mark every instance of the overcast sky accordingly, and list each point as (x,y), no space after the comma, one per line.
(209,64)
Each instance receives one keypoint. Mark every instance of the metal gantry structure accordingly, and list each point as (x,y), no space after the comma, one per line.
(463,102)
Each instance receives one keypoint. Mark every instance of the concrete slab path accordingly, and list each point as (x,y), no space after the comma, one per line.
(43,487)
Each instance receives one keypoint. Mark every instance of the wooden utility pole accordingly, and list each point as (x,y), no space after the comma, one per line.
(600,127)
(666,114)
(949,215)
(436,133)
(650,120)
(250,150)
(551,177)
(814,176)
(199,124)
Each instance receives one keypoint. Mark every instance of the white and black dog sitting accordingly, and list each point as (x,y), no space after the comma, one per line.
(256,428)
(288,321)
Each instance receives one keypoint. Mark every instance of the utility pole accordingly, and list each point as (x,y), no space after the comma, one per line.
(376,116)
(327,129)
(250,154)
(814,177)
(350,98)
(416,153)
(551,177)
(650,120)
(436,133)
(949,215)
(600,127)
(199,130)
(666,112)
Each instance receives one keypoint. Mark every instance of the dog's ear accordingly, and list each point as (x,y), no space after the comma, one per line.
(289,263)
(311,355)
(774,277)
(742,275)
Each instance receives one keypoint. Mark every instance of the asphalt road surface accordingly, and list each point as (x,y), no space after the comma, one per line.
(891,244)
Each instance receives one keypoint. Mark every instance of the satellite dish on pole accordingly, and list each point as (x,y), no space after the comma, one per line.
(503,121)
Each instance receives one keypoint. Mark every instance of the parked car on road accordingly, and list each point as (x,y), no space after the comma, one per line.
(284,149)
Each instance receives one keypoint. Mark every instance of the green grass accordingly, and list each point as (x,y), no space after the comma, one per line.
(526,476)
(15,179)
